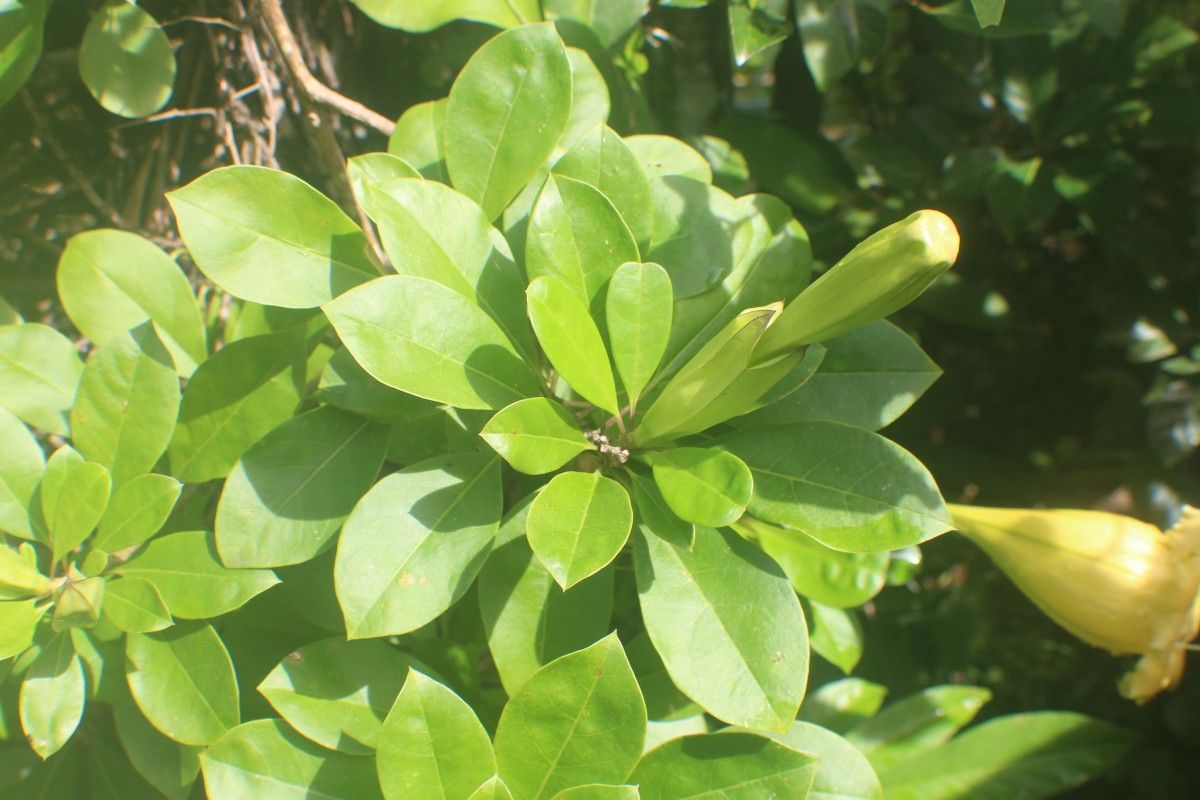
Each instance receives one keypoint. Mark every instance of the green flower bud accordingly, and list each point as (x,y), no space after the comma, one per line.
(884,273)
(77,602)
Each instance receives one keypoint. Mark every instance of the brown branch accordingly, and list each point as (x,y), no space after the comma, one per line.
(285,40)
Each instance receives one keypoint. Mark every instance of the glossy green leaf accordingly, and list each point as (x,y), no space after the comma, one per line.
(988,12)
(415,543)
(420,17)
(703,610)
(418,139)
(757,25)
(128,401)
(843,773)
(134,605)
(39,373)
(705,487)
(18,623)
(529,619)
(19,575)
(535,436)
(638,315)
(493,789)
(601,159)
(849,489)
(844,580)
(590,102)
(269,237)
(1028,755)
(183,681)
(236,397)
(126,60)
(346,385)
(917,724)
(74,495)
(418,336)
(735,766)
(431,231)
(21,466)
(376,173)
(21,28)
(868,378)
(266,758)
(661,156)
(337,693)
(192,581)
(507,109)
(168,766)
(580,719)
(289,494)
(835,634)
(136,511)
(578,524)
(1020,194)
(571,341)
(577,235)
(432,744)
(110,281)
(655,515)
(730,170)
(598,791)
(837,34)
(608,22)
(664,701)
(840,705)
(52,697)
(692,236)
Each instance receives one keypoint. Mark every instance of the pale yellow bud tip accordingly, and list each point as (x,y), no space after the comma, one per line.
(939,233)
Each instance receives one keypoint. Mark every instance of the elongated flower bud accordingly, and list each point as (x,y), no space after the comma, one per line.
(1111,580)
(884,273)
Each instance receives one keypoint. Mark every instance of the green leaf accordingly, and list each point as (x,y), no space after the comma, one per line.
(1028,755)
(128,401)
(21,29)
(602,159)
(529,619)
(735,766)
(21,465)
(837,34)
(418,139)
(418,336)
(843,773)
(656,515)
(18,623)
(705,487)
(266,758)
(421,17)
(432,744)
(74,494)
(608,23)
(849,489)
(192,581)
(988,12)
(136,512)
(168,766)
(840,705)
(493,789)
(52,697)
(579,719)
(662,156)
(868,378)
(507,109)
(134,605)
(234,399)
(598,791)
(577,236)
(415,543)
(269,237)
(917,724)
(183,681)
(730,170)
(535,436)
(126,61)
(337,693)
(431,231)
(692,235)
(703,610)
(835,634)
(663,699)
(346,385)
(638,315)
(1020,194)
(590,102)
(843,580)
(19,575)
(756,25)
(39,373)
(571,341)
(578,524)
(377,173)
(289,494)
(110,281)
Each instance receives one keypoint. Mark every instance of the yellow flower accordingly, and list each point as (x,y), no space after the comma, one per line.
(1111,580)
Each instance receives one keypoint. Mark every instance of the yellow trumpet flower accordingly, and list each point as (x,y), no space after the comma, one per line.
(1111,580)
